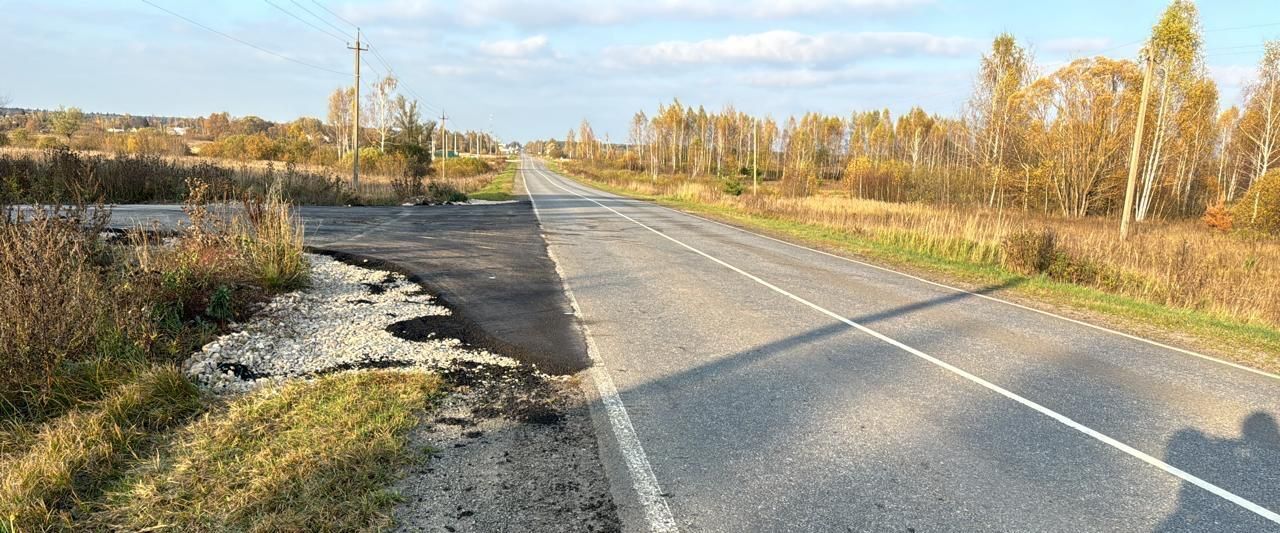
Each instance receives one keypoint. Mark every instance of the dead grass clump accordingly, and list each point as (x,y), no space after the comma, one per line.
(271,239)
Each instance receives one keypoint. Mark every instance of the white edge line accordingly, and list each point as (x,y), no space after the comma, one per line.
(644,482)
(957,289)
(1065,420)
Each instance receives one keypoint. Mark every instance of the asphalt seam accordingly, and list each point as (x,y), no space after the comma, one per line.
(1063,419)
(644,482)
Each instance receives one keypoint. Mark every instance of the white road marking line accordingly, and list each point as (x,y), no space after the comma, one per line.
(971,293)
(643,481)
(1063,419)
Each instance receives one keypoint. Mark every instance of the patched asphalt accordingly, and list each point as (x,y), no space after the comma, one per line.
(487,263)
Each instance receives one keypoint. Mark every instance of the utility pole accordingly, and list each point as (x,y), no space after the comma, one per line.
(755,157)
(355,119)
(444,141)
(1131,187)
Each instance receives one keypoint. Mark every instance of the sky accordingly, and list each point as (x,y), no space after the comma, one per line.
(527,69)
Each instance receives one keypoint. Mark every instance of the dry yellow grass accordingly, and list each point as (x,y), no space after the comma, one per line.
(306,457)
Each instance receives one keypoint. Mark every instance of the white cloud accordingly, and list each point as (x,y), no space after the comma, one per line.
(1076,45)
(1233,75)
(796,78)
(788,47)
(523,13)
(516,49)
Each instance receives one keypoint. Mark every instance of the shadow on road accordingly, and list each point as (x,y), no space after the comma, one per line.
(1245,466)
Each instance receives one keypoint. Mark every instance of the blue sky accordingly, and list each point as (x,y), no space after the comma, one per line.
(538,68)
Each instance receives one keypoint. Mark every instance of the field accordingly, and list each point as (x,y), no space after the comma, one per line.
(31,175)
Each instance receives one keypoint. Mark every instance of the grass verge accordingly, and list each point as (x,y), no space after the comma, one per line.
(1251,344)
(499,189)
(307,457)
(75,455)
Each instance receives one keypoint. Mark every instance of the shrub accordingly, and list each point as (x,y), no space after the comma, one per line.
(54,298)
(1029,252)
(407,186)
(461,167)
(731,186)
(440,193)
(1217,217)
(1259,210)
(20,137)
(4,139)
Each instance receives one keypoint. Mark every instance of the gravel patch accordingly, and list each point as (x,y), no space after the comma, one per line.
(346,320)
(508,448)
(509,451)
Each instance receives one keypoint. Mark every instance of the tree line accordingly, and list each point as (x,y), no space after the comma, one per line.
(1059,143)
(394,137)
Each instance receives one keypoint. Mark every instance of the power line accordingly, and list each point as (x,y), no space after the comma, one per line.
(335,15)
(1215,30)
(317,17)
(406,86)
(244,42)
(300,19)
(386,64)
(1234,47)
(1250,27)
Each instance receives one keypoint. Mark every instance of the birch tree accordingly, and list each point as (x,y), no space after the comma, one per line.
(1175,49)
(1004,71)
(381,98)
(1260,124)
(339,118)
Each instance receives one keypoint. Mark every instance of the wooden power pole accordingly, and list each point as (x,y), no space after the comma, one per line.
(355,119)
(444,139)
(755,156)
(1132,186)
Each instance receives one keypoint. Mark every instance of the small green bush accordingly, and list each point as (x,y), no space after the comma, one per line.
(731,186)
(461,167)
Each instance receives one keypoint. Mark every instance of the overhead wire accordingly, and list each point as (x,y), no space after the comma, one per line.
(323,20)
(377,55)
(242,41)
(304,21)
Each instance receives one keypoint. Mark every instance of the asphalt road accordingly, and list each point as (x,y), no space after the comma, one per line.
(765,387)
(486,263)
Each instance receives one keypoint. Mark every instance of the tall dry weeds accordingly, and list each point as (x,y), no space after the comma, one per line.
(53,295)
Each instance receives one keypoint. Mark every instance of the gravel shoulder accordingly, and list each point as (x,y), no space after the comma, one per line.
(509,448)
